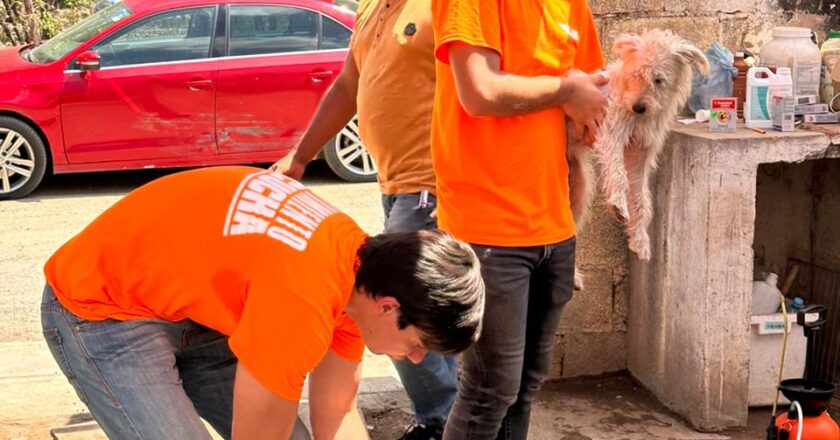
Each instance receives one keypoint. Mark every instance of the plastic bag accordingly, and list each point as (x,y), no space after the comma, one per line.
(718,83)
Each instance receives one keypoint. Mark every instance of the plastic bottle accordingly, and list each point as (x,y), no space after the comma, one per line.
(766,296)
(792,47)
(830,51)
(739,84)
(756,110)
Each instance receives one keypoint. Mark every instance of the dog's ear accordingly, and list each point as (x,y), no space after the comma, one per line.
(691,55)
(626,44)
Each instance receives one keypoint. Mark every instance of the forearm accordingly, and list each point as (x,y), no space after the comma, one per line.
(484,89)
(514,95)
(350,427)
(336,108)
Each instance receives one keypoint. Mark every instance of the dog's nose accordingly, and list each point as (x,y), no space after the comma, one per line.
(639,108)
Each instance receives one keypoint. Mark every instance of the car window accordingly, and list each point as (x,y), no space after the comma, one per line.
(61,44)
(334,35)
(171,36)
(272,29)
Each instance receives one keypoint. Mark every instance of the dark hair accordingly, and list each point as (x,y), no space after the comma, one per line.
(435,278)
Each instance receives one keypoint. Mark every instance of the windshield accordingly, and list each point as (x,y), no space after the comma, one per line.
(63,43)
(352,5)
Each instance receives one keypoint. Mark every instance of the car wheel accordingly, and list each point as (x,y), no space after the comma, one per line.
(348,158)
(23,158)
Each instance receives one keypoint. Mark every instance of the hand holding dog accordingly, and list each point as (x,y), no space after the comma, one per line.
(584,103)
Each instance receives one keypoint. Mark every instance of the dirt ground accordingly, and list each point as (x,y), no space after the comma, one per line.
(613,408)
(37,225)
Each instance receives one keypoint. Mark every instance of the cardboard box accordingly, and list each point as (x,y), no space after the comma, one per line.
(782,112)
(809,109)
(807,99)
(723,115)
(822,118)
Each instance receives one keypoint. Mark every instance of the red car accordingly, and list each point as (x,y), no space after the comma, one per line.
(173,83)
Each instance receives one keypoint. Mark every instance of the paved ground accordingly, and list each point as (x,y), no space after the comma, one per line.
(34,397)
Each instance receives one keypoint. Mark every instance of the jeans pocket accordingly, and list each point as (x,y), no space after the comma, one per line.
(56,347)
(82,324)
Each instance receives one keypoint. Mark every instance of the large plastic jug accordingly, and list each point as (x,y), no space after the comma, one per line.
(831,65)
(766,296)
(762,86)
(756,107)
(792,47)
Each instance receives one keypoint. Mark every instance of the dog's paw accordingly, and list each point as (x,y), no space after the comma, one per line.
(618,206)
(578,280)
(640,245)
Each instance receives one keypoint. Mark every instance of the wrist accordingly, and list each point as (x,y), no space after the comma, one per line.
(564,90)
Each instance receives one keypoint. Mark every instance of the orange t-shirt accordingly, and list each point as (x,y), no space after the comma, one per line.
(505,181)
(251,254)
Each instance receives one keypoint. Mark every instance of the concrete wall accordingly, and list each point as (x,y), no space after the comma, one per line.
(797,215)
(592,337)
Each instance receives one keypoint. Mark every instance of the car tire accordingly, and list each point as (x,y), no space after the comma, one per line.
(23,158)
(347,156)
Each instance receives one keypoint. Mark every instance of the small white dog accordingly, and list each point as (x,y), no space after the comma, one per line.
(648,86)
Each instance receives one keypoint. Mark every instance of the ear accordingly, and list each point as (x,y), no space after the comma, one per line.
(691,55)
(386,305)
(626,44)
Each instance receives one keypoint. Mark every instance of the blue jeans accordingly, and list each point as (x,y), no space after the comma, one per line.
(431,385)
(145,379)
(526,289)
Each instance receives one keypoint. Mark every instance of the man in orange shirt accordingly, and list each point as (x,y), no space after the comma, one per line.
(213,293)
(389,80)
(505,85)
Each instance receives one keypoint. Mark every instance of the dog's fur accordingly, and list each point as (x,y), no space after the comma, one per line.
(649,85)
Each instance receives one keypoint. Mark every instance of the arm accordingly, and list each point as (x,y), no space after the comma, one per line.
(336,108)
(332,399)
(485,90)
(257,413)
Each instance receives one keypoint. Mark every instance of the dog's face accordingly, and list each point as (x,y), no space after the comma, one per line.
(655,72)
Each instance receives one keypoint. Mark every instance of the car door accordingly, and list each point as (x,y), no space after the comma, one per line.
(153,97)
(277,69)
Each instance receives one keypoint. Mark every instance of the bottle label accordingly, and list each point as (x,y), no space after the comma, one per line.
(758,104)
(806,78)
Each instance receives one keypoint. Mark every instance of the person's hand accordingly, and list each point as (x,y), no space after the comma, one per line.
(289,166)
(584,103)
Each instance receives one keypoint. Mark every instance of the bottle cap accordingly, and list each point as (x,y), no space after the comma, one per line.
(791,32)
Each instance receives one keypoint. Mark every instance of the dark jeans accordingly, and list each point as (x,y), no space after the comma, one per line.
(527,288)
(431,385)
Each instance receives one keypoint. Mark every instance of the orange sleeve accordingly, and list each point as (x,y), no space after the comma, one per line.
(474,22)
(347,340)
(281,336)
(588,57)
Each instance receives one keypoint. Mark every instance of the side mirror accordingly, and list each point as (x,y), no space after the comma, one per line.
(88,61)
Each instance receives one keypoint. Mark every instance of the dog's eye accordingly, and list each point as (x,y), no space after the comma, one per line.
(658,81)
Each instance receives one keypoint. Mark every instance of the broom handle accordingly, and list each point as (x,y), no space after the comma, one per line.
(789,278)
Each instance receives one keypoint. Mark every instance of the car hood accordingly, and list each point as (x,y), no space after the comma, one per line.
(11,61)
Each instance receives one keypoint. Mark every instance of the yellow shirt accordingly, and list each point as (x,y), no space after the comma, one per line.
(393,47)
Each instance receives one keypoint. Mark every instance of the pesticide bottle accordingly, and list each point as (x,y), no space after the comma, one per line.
(762,86)
(766,296)
(739,83)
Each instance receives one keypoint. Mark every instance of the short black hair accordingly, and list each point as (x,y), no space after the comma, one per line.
(435,278)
